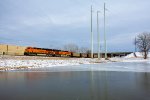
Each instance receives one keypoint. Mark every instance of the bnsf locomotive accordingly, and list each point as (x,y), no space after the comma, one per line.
(46,52)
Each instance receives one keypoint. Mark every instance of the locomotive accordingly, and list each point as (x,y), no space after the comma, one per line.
(47,52)
(34,51)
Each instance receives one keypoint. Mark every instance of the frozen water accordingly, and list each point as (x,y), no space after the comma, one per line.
(117,66)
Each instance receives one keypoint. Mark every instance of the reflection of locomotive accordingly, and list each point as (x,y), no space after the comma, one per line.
(47,52)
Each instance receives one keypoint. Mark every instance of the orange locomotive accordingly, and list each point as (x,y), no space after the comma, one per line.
(47,52)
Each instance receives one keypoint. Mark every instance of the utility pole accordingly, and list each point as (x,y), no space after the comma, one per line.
(105,44)
(135,44)
(135,47)
(91,32)
(98,36)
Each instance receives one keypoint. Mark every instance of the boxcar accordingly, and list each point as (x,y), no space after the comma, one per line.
(76,55)
(84,55)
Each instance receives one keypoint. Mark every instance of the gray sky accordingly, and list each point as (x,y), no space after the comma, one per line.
(53,23)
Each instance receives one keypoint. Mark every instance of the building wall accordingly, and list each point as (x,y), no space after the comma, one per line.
(11,50)
(3,49)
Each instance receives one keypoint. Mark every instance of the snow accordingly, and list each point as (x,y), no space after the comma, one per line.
(8,63)
(128,63)
(138,54)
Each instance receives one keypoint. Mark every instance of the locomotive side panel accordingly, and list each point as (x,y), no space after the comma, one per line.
(65,53)
(47,52)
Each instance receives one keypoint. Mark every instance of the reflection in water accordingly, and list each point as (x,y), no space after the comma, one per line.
(88,85)
(143,80)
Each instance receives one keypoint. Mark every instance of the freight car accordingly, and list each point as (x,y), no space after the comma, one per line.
(76,55)
(48,52)
(84,55)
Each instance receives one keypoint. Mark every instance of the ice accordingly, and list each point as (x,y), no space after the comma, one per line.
(117,66)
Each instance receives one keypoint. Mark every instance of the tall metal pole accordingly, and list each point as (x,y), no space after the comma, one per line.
(91,33)
(135,44)
(98,36)
(105,33)
(135,47)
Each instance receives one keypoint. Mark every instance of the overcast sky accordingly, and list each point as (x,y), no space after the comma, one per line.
(53,23)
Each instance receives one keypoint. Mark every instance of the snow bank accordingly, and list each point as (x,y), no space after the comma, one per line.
(138,55)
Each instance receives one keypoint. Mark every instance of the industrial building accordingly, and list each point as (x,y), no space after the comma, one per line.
(11,49)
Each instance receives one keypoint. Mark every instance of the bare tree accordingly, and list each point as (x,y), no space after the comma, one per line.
(71,47)
(88,51)
(83,49)
(143,43)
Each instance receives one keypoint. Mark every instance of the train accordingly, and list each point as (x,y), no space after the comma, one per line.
(47,52)
(34,51)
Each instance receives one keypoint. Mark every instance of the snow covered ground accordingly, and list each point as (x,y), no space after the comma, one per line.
(16,62)
(26,62)
(138,55)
